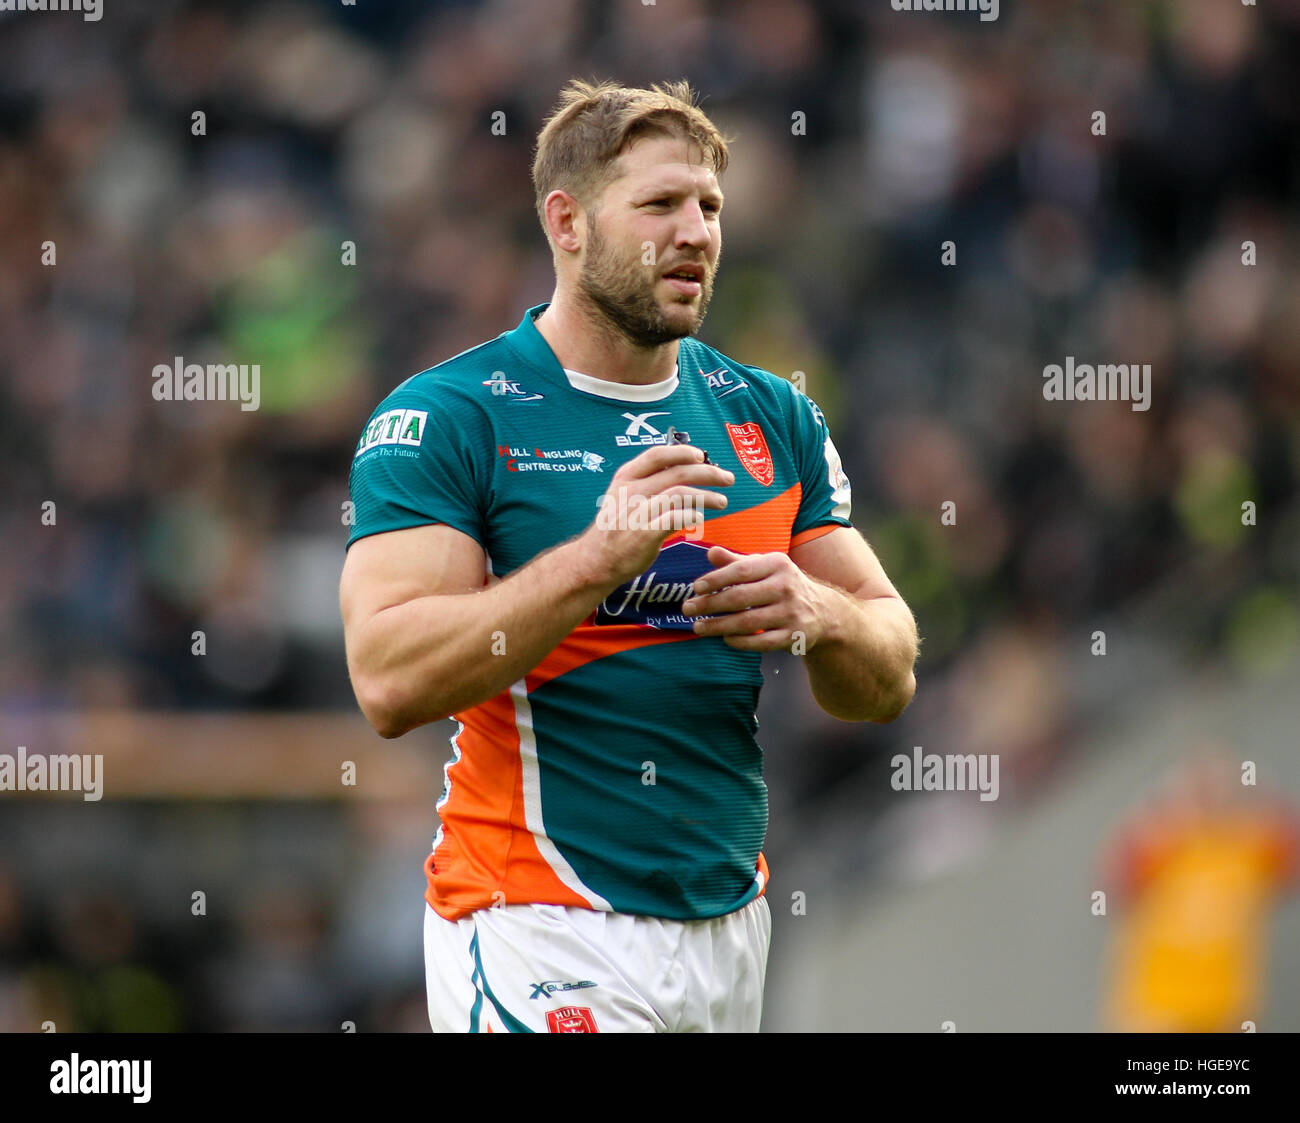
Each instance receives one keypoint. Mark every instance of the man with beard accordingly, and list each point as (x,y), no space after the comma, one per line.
(544,550)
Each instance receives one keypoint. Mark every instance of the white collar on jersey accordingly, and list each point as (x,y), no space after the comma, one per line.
(622,391)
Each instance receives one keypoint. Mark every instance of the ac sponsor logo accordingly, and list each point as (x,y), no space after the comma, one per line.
(655,597)
(535,459)
(721,379)
(395,427)
(503,387)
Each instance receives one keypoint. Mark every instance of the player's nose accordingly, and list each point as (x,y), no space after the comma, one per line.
(692,227)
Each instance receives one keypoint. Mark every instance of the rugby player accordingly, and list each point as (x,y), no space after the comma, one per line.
(578,539)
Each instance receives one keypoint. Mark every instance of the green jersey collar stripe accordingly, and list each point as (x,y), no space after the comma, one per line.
(527,342)
(531,346)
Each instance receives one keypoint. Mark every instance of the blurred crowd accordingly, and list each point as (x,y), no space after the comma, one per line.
(133,231)
(260,917)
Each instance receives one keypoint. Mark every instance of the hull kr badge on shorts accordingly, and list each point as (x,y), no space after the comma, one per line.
(751,447)
(571,1019)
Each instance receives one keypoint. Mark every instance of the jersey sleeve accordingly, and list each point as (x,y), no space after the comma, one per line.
(415,465)
(826,501)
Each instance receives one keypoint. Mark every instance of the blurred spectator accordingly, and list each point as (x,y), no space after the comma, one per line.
(1195,873)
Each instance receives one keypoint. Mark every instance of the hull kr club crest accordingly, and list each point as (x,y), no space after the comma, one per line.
(751,447)
(571,1019)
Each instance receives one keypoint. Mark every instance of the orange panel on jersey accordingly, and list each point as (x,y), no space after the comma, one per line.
(764,528)
(812,533)
(589,642)
(761,529)
(478,857)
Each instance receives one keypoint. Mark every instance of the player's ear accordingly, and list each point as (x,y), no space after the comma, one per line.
(564,221)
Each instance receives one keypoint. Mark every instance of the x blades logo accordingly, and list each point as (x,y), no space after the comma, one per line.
(639,431)
(552,986)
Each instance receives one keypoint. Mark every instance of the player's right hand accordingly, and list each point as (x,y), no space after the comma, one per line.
(661,492)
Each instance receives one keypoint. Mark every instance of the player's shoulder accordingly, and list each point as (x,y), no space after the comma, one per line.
(446,398)
(455,385)
(727,377)
(696,353)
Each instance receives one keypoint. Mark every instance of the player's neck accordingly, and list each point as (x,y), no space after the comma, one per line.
(583,340)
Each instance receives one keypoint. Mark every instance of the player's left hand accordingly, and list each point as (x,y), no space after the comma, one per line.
(759,601)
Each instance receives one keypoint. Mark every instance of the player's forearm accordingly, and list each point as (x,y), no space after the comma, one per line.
(433,656)
(861,669)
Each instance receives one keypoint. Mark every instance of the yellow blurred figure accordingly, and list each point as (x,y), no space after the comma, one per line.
(1196,875)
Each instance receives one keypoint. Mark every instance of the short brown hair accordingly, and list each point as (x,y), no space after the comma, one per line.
(594,122)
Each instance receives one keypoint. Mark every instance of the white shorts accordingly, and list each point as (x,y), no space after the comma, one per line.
(553,969)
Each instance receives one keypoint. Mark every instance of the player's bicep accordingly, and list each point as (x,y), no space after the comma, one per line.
(844,559)
(385,570)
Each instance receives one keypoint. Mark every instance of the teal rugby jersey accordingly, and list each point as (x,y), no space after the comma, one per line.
(548,795)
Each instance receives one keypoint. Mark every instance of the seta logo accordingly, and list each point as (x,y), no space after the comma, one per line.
(655,597)
(639,431)
(395,427)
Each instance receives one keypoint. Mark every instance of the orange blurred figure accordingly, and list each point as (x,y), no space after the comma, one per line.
(1196,873)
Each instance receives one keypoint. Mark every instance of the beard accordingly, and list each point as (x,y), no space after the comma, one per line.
(623,291)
